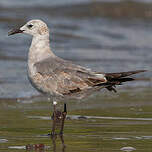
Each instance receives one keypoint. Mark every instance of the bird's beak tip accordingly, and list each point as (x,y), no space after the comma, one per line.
(14,31)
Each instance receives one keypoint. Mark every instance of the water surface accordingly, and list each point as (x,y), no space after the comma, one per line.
(106,36)
(92,125)
(103,36)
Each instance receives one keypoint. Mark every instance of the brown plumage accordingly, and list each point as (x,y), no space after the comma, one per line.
(63,78)
(60,78)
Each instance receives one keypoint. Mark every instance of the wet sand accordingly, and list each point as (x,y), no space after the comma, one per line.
(102,124)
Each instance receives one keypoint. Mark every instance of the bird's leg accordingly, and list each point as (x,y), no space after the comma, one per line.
(54,142)
(54,118)
(64,113)
(63,144)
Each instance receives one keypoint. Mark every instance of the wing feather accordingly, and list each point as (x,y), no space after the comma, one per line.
(68,78)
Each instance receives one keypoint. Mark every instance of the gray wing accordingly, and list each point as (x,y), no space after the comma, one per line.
(67,78)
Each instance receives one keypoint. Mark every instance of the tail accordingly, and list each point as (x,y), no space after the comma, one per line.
(114,79)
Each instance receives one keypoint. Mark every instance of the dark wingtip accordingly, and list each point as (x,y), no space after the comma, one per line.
(122,74)
(135,72)
(138,71)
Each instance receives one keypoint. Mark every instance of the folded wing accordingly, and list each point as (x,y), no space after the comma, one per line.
(67,78)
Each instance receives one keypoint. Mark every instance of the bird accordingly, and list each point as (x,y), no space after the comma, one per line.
(61,79)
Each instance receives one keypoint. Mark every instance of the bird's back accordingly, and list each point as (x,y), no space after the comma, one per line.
(58,77)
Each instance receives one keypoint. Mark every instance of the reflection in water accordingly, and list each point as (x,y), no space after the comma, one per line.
(42,147)
(54,138)
(36,147)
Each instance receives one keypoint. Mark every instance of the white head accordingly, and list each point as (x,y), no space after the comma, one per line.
(33,27)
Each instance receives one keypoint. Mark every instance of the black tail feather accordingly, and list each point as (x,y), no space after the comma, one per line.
(122,74)
(114,79)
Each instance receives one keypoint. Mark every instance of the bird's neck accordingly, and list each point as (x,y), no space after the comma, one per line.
(40,49)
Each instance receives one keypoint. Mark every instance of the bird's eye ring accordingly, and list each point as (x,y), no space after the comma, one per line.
(30,26)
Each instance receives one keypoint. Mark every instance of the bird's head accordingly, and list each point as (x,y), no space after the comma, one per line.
(33,27)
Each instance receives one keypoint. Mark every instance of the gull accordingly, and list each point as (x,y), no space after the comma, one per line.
(59,78)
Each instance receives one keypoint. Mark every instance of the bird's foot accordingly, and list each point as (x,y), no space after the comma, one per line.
(58,117)
(53,134)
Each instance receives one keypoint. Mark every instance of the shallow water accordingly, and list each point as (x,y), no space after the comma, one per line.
(111,37)
(107,124)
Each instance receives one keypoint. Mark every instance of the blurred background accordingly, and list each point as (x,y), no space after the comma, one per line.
(104,35)
(109,36)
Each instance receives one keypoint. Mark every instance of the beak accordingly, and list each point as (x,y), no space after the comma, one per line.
(15,31)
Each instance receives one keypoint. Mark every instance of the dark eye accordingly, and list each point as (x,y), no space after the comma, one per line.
(30,26)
